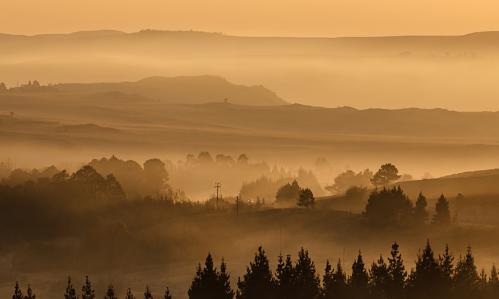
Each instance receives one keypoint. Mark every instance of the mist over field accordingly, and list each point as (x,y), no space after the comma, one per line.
(134,157)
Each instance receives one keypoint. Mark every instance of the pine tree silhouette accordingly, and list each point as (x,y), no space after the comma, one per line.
(420,213)
(442,212)
(147,293)
(110,293)
(129,294)
(29,293)
(466,277)
(258,282)
(70,291)
(379,279)
(398,274)
(307,283)
(425,281)
(358,283)
(17,292)
(86,290)
(285,276)
(167,294)
(211,284)
(446,265)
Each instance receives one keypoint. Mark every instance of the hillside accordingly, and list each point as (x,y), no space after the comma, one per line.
(453,72)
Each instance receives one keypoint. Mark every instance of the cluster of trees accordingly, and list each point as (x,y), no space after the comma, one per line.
(292,193)
(206,157)
(432,277)
(392,207)
(387,174)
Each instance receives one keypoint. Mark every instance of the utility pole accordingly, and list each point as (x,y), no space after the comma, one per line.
(218,186)
(237,205)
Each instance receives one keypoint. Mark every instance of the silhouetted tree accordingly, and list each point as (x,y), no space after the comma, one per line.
(110,293)
(359,280)
(167,294)
(242,159)
(87,292)
(493,284)
(70,290)
(285,276)
(307,283)
(388,207)
(258,281)
(379,279)
(3,87)
(205,157)
(385,175)
(147,293)
(398,274)
(420,213)
(289,193)
(349,179)
(446,265)
(209,283)
(155,176)
(29,293)
(17,292)
(425,280)
(129,294)
(466,277)
(306,198)
(442,212)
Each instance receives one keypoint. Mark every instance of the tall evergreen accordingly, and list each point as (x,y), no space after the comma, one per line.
(398,274)
(442,212)
(29,293)
(493,284)
(285,276)
(147,293)
(18,294)
(358,283)
(420,213)
(327,281)
(446,265)
(258,282)
(425,280)
(338,287)
(466,277)
(129,294)
(210,283)
(167,294)
(110,293)
(70,290)
(379,279)
(306,280)
(226,291)
(87,292)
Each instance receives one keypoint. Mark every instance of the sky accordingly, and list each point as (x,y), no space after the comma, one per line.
(254,17)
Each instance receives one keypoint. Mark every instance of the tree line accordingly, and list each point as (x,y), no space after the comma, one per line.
(433,276)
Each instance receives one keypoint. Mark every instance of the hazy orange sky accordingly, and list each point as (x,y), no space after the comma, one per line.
(254,17)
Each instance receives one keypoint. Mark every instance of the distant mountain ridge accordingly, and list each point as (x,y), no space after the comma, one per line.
(181,90)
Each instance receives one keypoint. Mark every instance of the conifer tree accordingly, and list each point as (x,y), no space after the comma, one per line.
(306,280)
(379,279)
(425,280)
(167,294)
(398,274)
(29,293)
(87,292)
(466,277)
(327,281)
(210,283)
(147,293)
(110,293)
(446,265)
(226,291)
(129,294)
(420,213)
(493,284)
(17,292)
(336,286)
(442,212)
(258,281)
(70,290)
(359,280)
(285,275)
